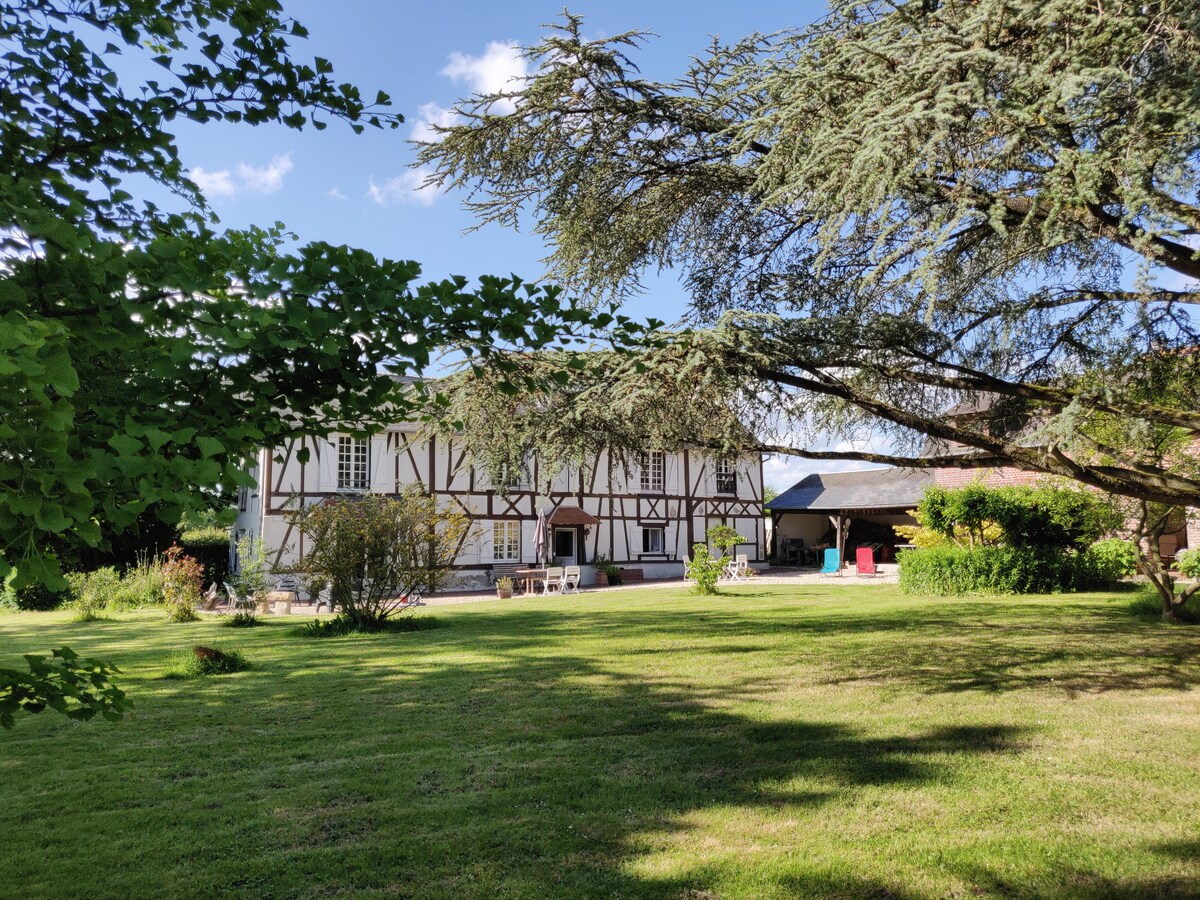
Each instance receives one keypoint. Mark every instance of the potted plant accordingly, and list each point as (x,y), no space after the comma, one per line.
(613,573)
(602,564)
(504,587)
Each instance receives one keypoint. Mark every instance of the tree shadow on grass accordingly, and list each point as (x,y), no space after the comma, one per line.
(546,777)
(973,646)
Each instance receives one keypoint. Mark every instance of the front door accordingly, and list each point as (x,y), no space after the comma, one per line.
(564,546)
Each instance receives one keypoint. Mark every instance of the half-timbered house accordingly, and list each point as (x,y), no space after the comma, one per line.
(645,518)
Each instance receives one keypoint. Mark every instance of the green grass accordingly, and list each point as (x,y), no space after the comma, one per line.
(824,741)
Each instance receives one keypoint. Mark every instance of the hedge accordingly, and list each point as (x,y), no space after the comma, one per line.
(210,546)
(951,570)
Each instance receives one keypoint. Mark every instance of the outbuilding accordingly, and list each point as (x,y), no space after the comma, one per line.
(845,510)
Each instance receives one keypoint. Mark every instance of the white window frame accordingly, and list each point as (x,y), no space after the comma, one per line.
(506,541)
(725,475)
(653,475)
(650,531)
(353,463)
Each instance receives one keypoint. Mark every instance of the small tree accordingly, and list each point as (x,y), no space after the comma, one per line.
(251,579)
(377,553)
(706,568)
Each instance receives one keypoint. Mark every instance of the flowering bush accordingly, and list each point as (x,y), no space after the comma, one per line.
(181,585)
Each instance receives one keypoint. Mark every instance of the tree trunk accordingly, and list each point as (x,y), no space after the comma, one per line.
(1151,526)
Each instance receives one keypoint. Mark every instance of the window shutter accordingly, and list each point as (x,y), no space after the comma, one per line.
(487,551)
(326,464)
(382,477)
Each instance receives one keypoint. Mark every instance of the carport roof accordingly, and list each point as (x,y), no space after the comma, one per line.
(873,489)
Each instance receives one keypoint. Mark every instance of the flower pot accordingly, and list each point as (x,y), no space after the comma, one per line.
(504,595)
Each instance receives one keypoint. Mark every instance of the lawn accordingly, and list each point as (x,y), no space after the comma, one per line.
(783,742)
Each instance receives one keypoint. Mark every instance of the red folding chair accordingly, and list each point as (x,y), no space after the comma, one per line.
(864,559)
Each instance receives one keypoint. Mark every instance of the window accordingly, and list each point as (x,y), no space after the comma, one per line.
(726,476)
(654,464)
(653,539)
(515,480)
(506,541)
(352,464)
(243,499)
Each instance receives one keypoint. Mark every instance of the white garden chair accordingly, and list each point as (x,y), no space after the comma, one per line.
(553,581)
(571,576)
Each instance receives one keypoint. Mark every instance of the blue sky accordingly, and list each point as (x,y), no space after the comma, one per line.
(357,189)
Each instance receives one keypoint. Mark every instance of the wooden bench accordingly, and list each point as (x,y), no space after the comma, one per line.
(508,570)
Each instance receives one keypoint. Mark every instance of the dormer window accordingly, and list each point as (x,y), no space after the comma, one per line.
(726,470)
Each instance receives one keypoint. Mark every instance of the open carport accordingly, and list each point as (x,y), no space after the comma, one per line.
(844,510)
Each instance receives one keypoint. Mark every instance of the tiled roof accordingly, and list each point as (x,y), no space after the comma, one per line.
(874,489)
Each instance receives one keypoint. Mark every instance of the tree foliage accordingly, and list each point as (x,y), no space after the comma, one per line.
(1048,517)
(905,208)
(144,354)
(65,682)
(378,554)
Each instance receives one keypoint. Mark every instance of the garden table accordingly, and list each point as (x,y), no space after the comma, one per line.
(531,577)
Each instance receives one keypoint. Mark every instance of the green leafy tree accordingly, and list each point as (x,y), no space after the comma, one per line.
(769,493)
(378,554)
(144,355)
(705,567)
(1046,517)
(905,208)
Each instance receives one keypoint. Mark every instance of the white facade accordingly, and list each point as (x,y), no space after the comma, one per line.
(648,520)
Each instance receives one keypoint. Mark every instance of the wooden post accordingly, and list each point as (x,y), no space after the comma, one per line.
(841,536)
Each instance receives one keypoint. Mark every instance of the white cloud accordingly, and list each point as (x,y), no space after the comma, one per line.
(266,179)
(334,194)
(253,179)
(401,189)
(499,68)
(431,114)
(213,184)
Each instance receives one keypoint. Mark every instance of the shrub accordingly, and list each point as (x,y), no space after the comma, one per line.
(90,592)
(377,552)
(705,569)
(1188,563)
(181,585)
(1112,560)
(210,547)
(140,586)
(242,619)
(952,570)
(204,661)
(34,597)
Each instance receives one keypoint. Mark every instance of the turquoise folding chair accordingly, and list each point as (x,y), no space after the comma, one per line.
(833,565)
